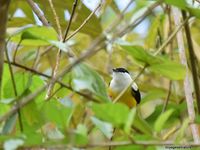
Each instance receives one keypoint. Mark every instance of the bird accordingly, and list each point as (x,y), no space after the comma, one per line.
(121,79)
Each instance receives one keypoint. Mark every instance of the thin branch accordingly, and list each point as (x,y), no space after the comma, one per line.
(38,13)
(168,96)
(58,56)
(192,61)
(56,19)
(70,20)
(84,22)
(15,89)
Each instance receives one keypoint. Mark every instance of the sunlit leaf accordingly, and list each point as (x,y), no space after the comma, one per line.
(84,78)
(38,36)
(106,128)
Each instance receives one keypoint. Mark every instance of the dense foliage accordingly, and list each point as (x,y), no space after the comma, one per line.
(58,61)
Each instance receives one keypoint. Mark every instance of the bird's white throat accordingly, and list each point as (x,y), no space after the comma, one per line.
(120,81)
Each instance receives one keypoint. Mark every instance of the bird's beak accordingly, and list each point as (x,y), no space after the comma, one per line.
(114,70)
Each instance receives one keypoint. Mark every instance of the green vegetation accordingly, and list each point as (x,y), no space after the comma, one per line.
(56,60)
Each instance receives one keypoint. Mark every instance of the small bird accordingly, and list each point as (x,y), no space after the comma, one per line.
(121,79)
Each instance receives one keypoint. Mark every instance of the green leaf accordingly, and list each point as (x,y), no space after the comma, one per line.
(112,113)
(171,70)
(142,56)
(130,120)
(162,119)
(84,78)
(153,32)
(180,3)
(194,11)
(153,94)
(38,36)
(104,127)
(142,125)
(54,111)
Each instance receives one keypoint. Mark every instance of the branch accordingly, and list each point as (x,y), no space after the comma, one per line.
(187,85)
(38,13)
(58,56)
(70,20)
(84,22)
(4,4)
(192,62)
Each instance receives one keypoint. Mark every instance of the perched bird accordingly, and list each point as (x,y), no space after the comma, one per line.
(121,79)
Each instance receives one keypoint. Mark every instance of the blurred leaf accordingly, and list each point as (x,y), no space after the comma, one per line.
(104,127)
(55,112)
(194,11)
(9,124)
(158,64)
(197,119)
(51,131)
(18,22)
(182,130)
(180,3)
(38,36)
(13,144)
(142,125)
(153,94)
(139,54)
(84,78)
(162,119)
(129,122)
(81,129)
(171,70)
(111,113)
(153,32)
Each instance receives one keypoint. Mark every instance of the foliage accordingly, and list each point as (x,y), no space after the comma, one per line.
(79,112)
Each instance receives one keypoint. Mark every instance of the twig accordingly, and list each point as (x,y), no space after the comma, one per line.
(84,22)
(16,49)
(38,13)
(187,85)
(15,89)
(4,4)
(70,20)
(168,96)
(192,61)
(171,56)
(58,56)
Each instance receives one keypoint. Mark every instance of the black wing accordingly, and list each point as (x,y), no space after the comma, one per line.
(136,94)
